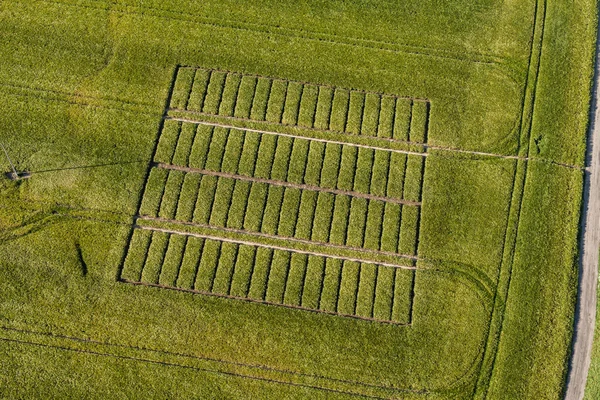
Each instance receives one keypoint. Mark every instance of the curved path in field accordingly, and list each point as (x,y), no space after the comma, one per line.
(585,314)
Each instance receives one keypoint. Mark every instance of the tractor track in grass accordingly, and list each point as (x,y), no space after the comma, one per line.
(589,243)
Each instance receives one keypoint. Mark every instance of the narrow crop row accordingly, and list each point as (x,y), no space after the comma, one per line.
(281,211)
(300,161)
(262,274)
(302,104)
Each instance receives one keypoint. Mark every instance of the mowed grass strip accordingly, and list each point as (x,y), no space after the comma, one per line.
(214,92)
(201,146)
(418,123)
(308,106)
(260,274)
(366,290)
(170,198)
(403,117)
(199,88)
(313,282)
(402,304)
(260,101)
(245,97)
(190,263)
(370,117)
(323,108)
(355,113)
(206,196)
(182,88)
(173,257)
(230,94)
(295,280)
(278,275)
(244,268)
(188,196)
(387,117)
(339,110)
(331,285)
(384,293)
(167,142)
(224,272)
(239,203)
(156,255)
(292,103)
(349,287)
(136,255)
(276,100)
(256,206)
(153,192)
(211,253)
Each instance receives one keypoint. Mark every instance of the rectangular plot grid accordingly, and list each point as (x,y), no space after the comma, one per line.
(279,219)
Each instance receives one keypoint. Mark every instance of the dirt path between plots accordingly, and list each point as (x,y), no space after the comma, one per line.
(585,313)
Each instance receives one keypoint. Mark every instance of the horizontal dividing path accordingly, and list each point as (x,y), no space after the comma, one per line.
(269,274)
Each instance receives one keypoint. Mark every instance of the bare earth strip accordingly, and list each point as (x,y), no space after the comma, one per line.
(585,314)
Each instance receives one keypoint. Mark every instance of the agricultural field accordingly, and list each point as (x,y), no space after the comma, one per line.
(228,199)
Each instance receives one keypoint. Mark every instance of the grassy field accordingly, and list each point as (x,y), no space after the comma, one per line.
(287,200)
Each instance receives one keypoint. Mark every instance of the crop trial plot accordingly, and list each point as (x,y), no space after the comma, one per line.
(278,217)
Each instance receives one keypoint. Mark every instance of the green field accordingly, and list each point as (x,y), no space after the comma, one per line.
(288,199)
